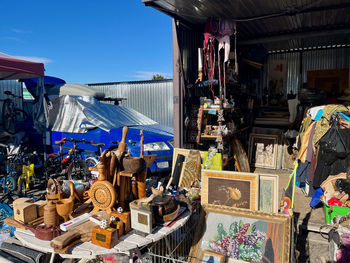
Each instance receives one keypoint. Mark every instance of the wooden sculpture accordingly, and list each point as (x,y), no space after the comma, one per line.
(65,206)
(102,193)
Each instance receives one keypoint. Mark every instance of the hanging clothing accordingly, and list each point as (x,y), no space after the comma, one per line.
(333,156)
(305,142)
(304,126)
(293,109)
(323,124)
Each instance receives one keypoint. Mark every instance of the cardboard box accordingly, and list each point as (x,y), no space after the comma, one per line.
(106,238)
(25,212)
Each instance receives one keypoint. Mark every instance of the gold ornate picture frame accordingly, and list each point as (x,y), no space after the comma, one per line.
(233,189)
(263,150)
(242,235)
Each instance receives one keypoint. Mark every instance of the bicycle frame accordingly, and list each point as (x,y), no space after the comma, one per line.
(27,175)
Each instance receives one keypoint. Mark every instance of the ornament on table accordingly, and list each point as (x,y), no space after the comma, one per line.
(221,115)
(104,224)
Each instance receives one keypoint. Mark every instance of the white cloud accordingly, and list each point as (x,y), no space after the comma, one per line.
(13,39)
(35,59)
(146,75)
(19,31)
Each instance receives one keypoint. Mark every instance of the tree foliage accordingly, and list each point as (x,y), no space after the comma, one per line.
(157,77)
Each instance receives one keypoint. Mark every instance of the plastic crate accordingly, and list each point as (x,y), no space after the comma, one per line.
(331,211)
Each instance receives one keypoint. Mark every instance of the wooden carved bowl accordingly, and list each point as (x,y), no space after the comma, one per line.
(133,164)
(65,207)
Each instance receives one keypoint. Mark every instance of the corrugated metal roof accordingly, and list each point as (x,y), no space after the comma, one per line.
(257,18)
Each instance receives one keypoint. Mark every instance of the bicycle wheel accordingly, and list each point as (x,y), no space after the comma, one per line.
(52,166)
(91,162)
(9,116)
(10,184)
(78,170)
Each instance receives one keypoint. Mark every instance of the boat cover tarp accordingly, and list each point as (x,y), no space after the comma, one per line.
(78,114)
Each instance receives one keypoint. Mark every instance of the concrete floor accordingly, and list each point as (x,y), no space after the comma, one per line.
(310,245)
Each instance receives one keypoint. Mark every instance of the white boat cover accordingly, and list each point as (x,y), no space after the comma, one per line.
(78,114)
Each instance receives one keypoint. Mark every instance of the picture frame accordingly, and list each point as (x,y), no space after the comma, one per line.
(228,188)
(268,193)
(186,178)
(184,152)
(209,256)
(263,150)
(220,230)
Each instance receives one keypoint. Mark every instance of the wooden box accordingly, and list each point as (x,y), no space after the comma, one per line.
(40,207)
(25,212)
(106,238)
(22,200)
(125,217)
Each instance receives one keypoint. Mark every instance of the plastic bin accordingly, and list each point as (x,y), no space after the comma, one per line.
(331,211)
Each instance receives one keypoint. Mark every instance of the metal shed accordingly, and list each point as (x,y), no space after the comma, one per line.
(295,28)
(153,98)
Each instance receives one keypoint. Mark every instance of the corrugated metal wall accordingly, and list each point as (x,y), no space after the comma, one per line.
(152,98)
(293,69)
(325,59)
(15,87)
(311,60)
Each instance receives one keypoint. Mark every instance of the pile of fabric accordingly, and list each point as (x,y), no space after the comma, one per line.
(324,145)
(336,190)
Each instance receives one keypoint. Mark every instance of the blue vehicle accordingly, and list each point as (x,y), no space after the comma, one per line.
(86,118)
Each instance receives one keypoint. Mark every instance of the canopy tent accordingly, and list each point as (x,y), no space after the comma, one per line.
(72,89)
(13,68)
(49,82)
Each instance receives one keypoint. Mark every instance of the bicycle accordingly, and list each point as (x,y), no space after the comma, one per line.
(93,160)
(27,178)
(69,164)
(77,168)
(11,114)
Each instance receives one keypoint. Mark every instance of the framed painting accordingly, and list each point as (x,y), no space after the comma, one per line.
(233,189)
(263,150)
(268,193)
(242,235)
(212,257)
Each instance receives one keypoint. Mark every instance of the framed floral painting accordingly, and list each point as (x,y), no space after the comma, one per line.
(242,235)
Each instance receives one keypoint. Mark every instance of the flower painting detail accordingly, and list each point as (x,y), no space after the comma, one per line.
(241,241)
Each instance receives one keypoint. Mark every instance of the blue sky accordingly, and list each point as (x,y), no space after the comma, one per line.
(89,41)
